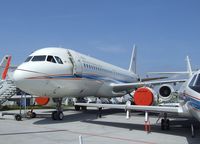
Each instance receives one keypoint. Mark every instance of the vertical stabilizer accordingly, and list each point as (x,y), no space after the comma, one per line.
(189,68)
(4,66)
(132,66)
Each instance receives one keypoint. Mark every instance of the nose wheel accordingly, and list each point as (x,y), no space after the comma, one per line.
(165,123)
(58,114)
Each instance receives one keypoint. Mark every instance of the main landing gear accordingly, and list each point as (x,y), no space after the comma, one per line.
(80,100)
(58,114)
(78,108)
(192,130)
(165,123)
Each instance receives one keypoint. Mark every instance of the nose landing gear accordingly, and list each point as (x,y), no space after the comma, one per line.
(165,123)
(58,114)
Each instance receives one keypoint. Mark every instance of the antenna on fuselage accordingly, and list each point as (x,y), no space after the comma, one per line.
(132,66)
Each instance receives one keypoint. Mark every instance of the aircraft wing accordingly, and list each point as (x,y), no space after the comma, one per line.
(131,86)
(155,109)
(183,72)
(152,78)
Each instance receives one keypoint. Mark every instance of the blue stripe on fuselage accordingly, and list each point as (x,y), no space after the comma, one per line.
(89,76)
(192,101)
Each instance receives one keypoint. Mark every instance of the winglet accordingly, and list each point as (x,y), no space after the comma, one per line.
(189,68)
(5,64)
(132,66)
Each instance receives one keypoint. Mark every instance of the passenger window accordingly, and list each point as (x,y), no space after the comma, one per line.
(58,60)
(28,59)
(51,59)
(39,58)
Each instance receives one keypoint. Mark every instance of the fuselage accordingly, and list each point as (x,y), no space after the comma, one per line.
(190,95)
(59,72)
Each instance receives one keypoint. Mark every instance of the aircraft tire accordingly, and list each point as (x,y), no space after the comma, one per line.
(162,124)
(18,117)
(54,115)
(33,115)
(167,124)
(60,115)
(84,108)
(77,108)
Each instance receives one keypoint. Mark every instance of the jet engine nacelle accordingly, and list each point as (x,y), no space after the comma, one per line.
(42,100)
(165,92)
(145,96)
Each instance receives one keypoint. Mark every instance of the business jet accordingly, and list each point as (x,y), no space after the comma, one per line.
(58,72)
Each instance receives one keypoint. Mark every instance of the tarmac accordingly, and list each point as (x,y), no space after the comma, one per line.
(112,128)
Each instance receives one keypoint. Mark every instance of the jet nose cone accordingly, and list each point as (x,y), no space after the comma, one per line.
(24,80)
(19,78)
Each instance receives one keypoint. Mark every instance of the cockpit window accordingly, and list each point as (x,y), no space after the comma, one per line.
(51,59)
(195,83)
(58,60)
(39,58)
(28,59)
(192,81)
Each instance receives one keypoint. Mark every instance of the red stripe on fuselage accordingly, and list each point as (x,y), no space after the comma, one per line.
(186,94)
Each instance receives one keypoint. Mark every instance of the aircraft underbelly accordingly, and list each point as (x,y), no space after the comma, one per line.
(72,88)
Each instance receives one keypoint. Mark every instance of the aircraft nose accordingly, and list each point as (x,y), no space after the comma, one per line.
(24,80)
(19,78)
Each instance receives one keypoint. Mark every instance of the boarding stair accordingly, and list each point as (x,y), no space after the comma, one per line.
(7,90)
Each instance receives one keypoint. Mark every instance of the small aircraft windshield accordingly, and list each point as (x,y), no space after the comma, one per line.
(39,58)
(58,60)
(195,83)
(51,59)
(28,59)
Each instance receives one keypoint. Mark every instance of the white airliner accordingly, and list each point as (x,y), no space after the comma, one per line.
(187,106)
(58,72)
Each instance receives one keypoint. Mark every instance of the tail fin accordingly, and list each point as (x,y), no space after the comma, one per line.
(4,66)
(189,68)
(132,66)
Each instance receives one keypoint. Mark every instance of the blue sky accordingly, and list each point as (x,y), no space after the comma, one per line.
(165,31)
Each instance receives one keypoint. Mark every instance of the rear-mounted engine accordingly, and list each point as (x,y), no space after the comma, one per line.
(165,92)
(145,96)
